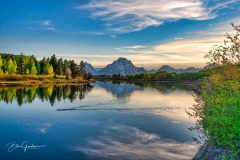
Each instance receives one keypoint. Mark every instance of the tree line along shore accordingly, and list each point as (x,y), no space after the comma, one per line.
(27,70)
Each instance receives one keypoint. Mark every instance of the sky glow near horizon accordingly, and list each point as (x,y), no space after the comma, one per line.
(149,33)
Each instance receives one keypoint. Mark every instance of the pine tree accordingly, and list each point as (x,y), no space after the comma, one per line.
(43,65)
(74,69)
(65,65)
(82,67)
(4,66)
(53,61)
(21,64)
(38,67)
(60,67)
(30,65)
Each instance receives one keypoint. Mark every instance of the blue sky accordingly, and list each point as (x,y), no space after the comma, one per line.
(150,33)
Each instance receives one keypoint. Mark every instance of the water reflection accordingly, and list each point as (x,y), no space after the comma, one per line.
(122,88)
(52,93)
(49,93)
(127,142)
(117,120)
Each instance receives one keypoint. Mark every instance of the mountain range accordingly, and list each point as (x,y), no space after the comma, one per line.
(124,66)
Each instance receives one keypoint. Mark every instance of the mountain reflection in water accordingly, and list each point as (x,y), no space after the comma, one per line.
(104,120)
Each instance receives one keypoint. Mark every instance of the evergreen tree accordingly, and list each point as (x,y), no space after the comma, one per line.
(43,65)
(74,69)
(30,65)
(21,64)
(38,67)
(65,65)
(53,61)
(4,65)
(82,67)
(60,67)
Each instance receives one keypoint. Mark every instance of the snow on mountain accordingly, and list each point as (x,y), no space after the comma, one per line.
(119,90)
(90,68)
(124,66)
(121,66)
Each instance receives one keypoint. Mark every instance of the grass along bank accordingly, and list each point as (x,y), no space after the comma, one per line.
(40,79)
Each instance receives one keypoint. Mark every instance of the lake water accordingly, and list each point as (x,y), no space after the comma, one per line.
(104,120)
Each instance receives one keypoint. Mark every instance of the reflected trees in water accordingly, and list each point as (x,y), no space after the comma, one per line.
(51,93)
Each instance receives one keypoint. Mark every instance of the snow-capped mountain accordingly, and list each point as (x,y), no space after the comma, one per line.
(119,90)
(124,66)
(90,68)
(170,69)
(121,66)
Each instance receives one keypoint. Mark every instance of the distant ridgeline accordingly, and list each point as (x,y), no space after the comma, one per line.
(124,69)
(11,64)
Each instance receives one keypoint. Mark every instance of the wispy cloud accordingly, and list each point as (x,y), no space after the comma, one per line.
(51,28)
(113,36)
(139,145)
(46,23)
(126,16)
(136,47)
(177,38)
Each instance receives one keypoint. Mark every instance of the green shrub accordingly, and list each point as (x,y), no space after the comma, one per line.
(222,112)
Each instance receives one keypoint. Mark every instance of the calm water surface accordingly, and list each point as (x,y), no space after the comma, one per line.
(104,120)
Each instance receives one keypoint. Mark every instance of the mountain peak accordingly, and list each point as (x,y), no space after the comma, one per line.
(121,66)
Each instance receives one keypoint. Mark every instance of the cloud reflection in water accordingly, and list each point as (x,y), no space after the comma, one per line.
(126,142)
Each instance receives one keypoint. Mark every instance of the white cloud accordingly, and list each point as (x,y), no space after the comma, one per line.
(136,47)
(178,38)
(42,130)
(51,28)
(139,145)
(113,36)
(126,16)
(46,23)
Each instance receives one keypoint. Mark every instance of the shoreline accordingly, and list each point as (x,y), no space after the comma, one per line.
(147,80)
(45,82)
(212,151)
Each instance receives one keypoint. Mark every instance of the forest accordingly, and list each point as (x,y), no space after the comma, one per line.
(11,64)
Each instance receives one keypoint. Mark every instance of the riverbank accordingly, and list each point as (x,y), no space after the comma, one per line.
(218,109)
(146,80)
(213,152)
(46,81)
